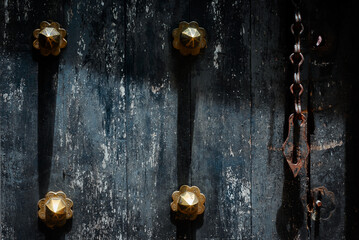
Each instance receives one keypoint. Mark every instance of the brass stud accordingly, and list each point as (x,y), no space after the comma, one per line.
(189,38)
(49,38)
(55,209)
(188,202)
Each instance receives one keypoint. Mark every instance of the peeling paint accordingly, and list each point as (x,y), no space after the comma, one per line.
(15,95)
(217,50)
(327,145)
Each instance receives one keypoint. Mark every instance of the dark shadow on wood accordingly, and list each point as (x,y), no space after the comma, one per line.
(352,165)
(184,139)
(290,215)
(185,115)
(352,129)
(47,89)
(57,233)
(186,229)
(185,121)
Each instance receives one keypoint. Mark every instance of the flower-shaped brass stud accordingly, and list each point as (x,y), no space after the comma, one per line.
(49,38)
(189,38)
(188,202)
(55,209)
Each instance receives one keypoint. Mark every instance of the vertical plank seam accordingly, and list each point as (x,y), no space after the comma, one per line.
(191,132)
(190,113)
(309,129)
(251,113)
(127,90)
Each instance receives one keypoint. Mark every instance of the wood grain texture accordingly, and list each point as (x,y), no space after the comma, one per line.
(120,119)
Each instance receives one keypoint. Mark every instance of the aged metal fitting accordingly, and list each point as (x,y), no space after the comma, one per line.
(49,38)
(188,202)
(189,38)
(296,148)
(320,203)
(55,209)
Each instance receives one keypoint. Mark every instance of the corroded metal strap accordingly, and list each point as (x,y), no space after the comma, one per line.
(296,147)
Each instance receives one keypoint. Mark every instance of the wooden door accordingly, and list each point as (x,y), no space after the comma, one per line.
(120,119)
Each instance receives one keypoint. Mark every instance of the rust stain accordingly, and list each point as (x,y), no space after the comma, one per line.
(324,146)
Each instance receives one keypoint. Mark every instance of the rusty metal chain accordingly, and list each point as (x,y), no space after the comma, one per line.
(297,59)
(296,148)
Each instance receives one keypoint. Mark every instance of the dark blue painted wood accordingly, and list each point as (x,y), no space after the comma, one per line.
(120,119)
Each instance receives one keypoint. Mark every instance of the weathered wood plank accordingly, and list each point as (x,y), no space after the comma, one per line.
(90,145)
(220,77)
(18,152)
(269,88)
(151,116)
(19,117)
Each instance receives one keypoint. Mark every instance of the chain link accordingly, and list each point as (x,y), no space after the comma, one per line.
(297,59)
(296,148)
